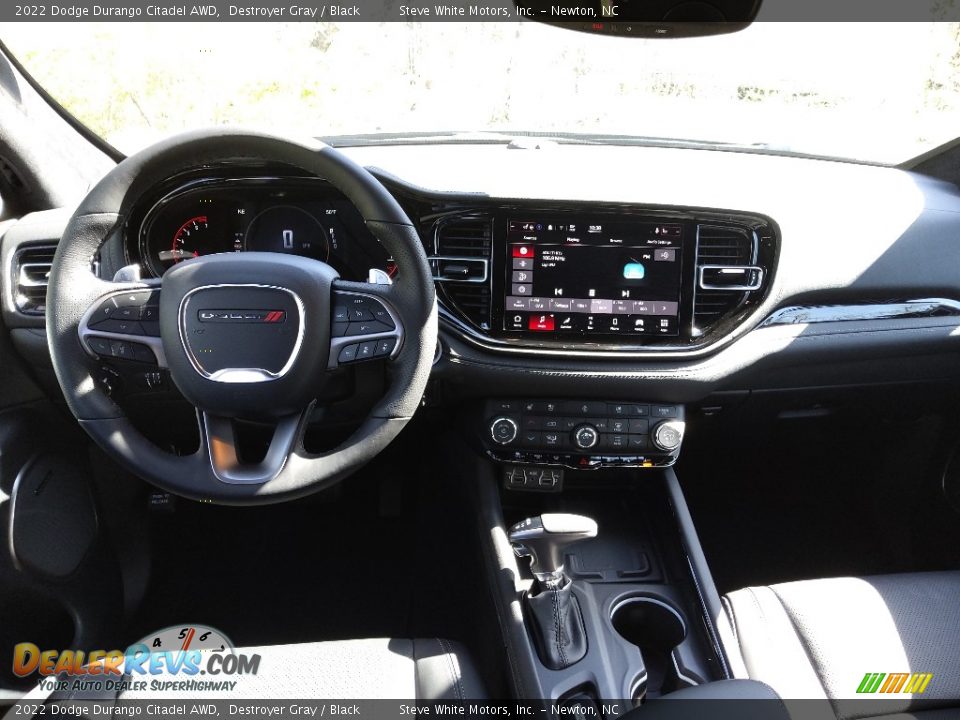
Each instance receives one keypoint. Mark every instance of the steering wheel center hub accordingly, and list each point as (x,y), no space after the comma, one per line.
(242,333)
(247,335)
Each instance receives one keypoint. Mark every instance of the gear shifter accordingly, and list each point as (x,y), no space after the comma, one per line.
(552,609)
(545,537)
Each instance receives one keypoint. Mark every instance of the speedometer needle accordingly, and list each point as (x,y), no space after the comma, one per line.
(177,254)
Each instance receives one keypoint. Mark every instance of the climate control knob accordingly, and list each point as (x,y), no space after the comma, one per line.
(503,430)
(585,436)
(668,435)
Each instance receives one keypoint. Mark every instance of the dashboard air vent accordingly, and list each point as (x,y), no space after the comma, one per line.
(461,267)
(31,271)
(472,302)
(464,237)
(718,245)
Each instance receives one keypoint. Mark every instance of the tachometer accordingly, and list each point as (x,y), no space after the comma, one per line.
(189,241)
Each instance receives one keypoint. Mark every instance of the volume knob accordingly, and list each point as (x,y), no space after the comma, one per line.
(503,431)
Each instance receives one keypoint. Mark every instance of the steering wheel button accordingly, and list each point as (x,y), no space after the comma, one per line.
(371,327)
(122,350)
(341,314)
(360,314)
(348,353)
(338,329)
(137,298)
(104,312)
(150,313)
(380,314)
(99,345)
(141,353)
(127,313)
(385,347)
(151,328)
(366,350)
(122,327)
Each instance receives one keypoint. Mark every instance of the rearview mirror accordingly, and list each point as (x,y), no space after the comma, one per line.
(643,18)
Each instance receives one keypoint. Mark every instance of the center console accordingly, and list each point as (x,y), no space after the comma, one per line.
(610,600)
(604,599)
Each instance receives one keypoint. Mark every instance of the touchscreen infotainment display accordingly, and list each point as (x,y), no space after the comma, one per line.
(582,275)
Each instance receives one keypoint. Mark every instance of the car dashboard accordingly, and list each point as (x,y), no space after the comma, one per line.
(611,274)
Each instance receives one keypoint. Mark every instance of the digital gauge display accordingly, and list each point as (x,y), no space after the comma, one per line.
(298,218)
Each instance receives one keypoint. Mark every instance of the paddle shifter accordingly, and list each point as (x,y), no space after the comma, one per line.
(552,608)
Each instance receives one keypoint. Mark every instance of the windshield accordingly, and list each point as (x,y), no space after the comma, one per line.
(881,92)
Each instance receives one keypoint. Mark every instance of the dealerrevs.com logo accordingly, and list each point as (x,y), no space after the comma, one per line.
(191,658)
(912,683)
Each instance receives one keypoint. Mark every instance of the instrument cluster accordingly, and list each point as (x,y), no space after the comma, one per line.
(298,216)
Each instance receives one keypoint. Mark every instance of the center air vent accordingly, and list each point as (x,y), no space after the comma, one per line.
(31,272)
(461,267)
(722,249)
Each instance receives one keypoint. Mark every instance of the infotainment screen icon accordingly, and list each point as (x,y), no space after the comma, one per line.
(581,275)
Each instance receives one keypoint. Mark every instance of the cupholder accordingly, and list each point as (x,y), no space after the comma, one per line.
(656,628)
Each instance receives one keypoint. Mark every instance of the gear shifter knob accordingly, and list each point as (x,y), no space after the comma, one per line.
(545,537)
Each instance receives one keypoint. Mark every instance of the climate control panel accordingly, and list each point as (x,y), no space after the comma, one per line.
(583,433)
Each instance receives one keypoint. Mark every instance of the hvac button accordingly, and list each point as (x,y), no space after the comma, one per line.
(619,425)
(665,411)
(638,427)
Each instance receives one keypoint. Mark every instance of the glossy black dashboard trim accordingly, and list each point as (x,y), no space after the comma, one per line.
(861,312)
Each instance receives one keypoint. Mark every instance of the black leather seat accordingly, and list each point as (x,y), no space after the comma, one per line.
(821,639)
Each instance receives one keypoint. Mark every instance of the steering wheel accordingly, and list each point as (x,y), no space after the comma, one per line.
(243,335)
